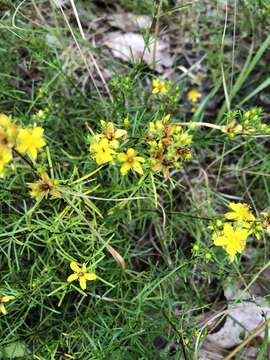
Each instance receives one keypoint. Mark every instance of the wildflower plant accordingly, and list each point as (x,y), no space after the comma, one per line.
(247,122)
(232,233)
(130,197)
(169,145)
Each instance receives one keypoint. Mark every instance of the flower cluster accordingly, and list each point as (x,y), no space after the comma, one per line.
(25,140)
(168,145)
(247,122)
(232,233)
(103,146)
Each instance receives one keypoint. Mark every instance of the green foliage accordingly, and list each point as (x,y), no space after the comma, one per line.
(158,224)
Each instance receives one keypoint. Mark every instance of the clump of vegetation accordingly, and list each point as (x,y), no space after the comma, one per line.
(128,200)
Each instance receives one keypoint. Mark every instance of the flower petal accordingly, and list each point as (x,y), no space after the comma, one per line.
(137,167)
(84,269)
(72,277)
(3,309)
(122,157)
(7,298)
(74,266)
(83,282)
(125,168)
(90,276)
(130,152)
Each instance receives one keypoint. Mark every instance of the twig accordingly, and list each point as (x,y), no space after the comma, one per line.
(247,340)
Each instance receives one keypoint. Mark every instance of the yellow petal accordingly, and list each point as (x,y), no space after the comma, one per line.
(120,133)
(3,309)
(90,276)
(7,298)
(130,152)
(4,120)
(137,167)
(33,153)
(230,215)
(139,158)
(74,266)
(122,157)
(220,241)
(82,282)
(125,168)
(72,277)
(84,268)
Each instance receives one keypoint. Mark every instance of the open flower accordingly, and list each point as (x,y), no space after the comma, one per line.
(232,239)
(44,187)
(30,140)
(232,128)
(130,161)
(4,299)
(113,135)
(80,274)
(159,87)
(8,132)
(241,212)
(5,157)
(193,95)
(102,152)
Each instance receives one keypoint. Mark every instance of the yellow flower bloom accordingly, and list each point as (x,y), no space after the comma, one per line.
(8,132)
(126,122)
(102,152)
(44,187)
(3,300)
(241,212)
(130,161)
(30,140)
(185,139)
(8,127)
(232,129)
(5,157)
(193,95)
(81,274)
(112,134)
(159,87)
(233,240)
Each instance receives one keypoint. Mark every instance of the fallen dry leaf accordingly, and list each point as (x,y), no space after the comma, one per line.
(131,46)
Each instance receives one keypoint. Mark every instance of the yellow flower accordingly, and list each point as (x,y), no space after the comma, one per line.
(241,212)
(193,95)
(81,274)
(44,187)
(5,157)
(4,299)
(233,240)
(130,161)
(126,122)
(102,152)
(8,132)
(232,128)
(112,134)
(185,139)
(40,115)
(30,140)
(159,87)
